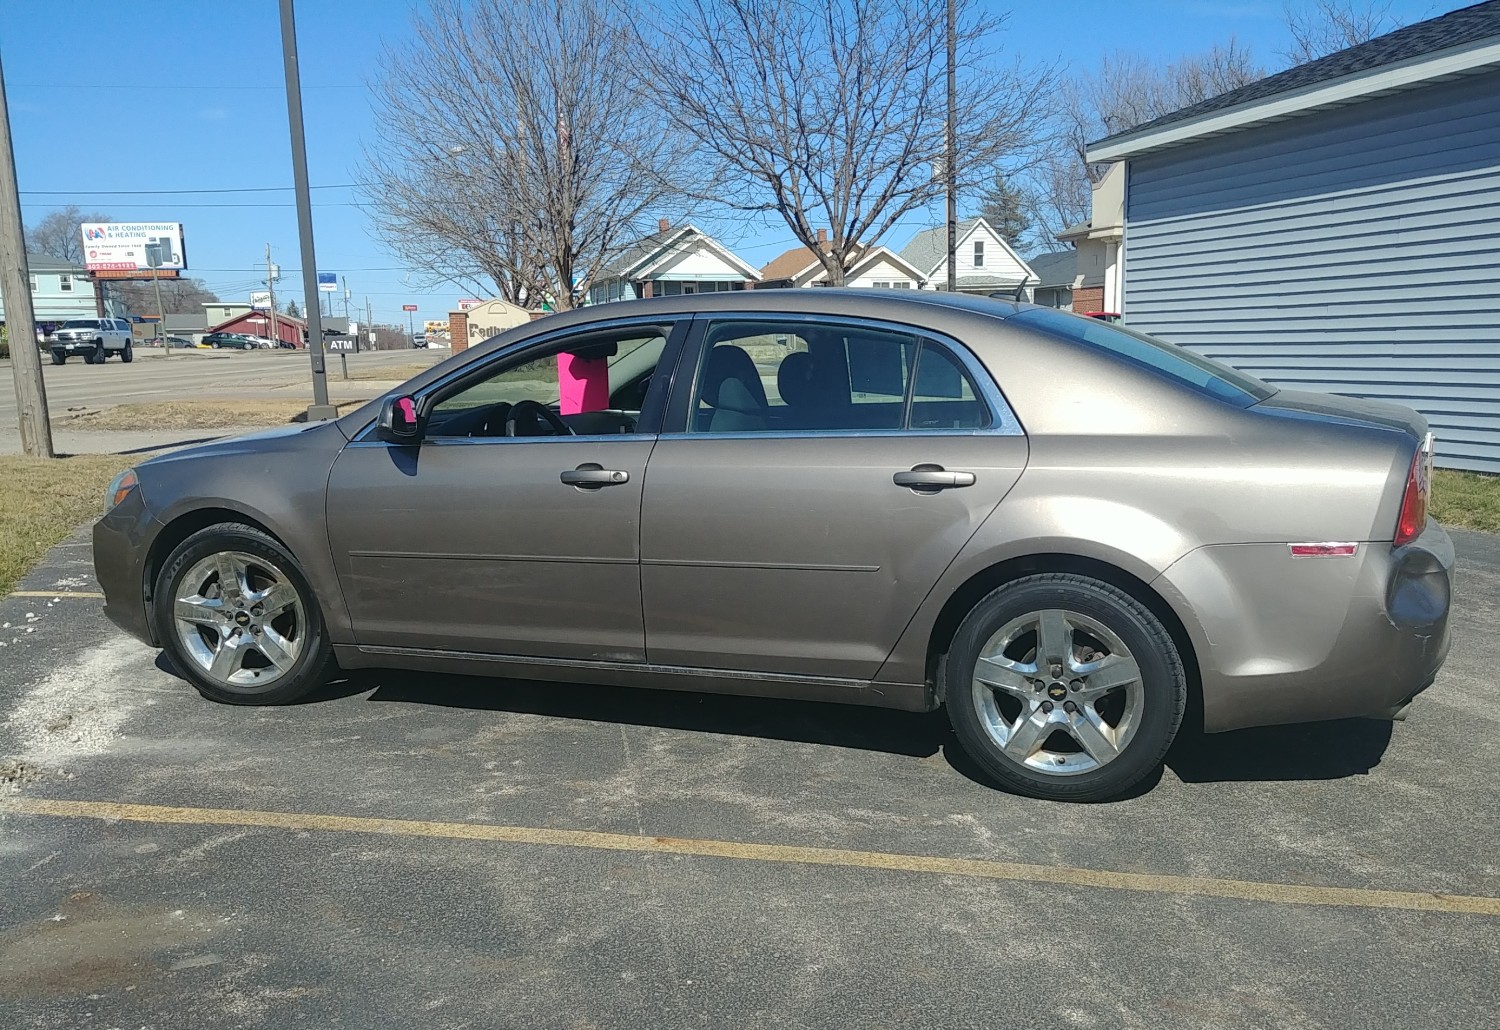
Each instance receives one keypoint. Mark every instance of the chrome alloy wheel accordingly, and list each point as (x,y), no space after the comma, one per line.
(1058,692)
(241,619)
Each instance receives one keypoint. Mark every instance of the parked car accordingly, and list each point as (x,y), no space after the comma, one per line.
(233,341)
(1071,536)
(95,339)
(179,342)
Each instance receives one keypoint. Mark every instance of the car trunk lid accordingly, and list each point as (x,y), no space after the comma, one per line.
(1348,410)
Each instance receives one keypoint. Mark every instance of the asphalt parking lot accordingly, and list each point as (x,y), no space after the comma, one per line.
(415,851)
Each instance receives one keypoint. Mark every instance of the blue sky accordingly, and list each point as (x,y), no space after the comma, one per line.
(187,95)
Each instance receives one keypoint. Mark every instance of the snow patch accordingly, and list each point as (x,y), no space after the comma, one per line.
(77,711)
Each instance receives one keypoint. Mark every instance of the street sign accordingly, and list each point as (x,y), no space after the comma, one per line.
(408,307)
(328,282)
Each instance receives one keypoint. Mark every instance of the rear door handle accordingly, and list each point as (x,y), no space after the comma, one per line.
(590,476)
(932,478)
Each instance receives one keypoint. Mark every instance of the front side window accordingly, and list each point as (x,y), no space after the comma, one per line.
(765,376)
(589,385)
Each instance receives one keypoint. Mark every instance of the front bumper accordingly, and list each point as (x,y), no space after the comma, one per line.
(73,346)
(1287,640)
(122,543)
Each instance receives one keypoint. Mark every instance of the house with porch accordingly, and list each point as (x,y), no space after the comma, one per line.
(669,262)
(874,266)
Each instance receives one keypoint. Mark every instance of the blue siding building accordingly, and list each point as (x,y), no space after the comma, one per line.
(1337,226)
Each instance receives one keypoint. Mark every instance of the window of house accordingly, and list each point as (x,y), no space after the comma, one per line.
(978,253)
(65,283)
(33,284)
(901,285)
(765,376)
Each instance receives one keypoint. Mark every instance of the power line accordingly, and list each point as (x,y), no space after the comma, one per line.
(119,86)
(173,193)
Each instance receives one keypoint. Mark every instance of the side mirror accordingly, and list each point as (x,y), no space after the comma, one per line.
(398,421)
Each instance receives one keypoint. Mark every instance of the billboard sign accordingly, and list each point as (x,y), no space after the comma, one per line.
(122,246)
(408,307)
(260,300)
(328,282)
(469,302)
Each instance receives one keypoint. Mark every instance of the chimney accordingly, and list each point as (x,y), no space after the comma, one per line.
(663,225)
(822,237)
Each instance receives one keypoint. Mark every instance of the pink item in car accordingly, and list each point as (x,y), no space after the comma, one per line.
(583,384)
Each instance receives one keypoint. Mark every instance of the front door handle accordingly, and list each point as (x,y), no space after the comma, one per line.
(929,478)
(590,476)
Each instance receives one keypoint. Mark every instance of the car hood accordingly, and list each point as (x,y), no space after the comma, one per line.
(251,442)
(1349,410)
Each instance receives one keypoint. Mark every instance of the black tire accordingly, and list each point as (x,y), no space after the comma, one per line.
(1159,692)
(314,664)
(59,358)
(128,354)
(99,355)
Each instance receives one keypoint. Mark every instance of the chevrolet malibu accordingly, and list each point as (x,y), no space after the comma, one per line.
(1073,537)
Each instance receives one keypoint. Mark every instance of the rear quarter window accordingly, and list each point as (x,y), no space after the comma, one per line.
(1166,359)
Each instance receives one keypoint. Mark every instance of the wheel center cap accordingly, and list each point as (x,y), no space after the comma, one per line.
(1057,691)
(242,618)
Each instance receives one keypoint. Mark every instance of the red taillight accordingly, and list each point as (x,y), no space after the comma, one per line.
(1413,517)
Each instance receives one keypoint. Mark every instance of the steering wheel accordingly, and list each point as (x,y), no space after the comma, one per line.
(533,410)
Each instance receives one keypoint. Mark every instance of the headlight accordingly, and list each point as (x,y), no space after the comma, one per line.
(120,488)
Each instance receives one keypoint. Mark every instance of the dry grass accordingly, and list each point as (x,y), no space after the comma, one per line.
(225,414)
(1470,500)
(42,501)
(388,373)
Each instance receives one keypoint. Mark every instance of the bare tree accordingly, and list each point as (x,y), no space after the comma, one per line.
(832,112)
(178,296)
(1125,91)
(1328,26)
(516,149)
(59,233)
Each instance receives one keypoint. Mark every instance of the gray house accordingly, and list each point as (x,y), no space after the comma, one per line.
(1336,226)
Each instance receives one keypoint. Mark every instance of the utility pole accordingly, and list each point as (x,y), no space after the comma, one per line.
(15,284)
(951,159)
(370,321)
(320,408)
(153,262)
(271,287)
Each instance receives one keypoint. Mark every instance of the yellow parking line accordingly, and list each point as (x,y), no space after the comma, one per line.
(55,593)
(1150,883)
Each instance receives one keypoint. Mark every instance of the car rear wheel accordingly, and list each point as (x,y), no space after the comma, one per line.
(239,619)
(1064,687)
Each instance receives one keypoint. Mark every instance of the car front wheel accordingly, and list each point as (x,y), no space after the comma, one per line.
(128,354)
(59,357)
(1064,687)
(239,620)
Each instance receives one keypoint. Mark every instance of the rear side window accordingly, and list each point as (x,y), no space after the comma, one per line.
(767,376)
(1178,363)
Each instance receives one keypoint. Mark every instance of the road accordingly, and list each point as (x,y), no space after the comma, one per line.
(76,389)
(198,374)
(432,852)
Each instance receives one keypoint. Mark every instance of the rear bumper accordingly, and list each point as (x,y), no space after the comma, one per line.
(1286,640)
(122,542)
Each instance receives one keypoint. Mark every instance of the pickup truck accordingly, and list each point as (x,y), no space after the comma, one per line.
(94,338)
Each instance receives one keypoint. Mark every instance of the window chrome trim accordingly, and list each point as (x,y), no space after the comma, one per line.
(1003,421)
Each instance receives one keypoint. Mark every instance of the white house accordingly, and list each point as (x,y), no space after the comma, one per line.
(985,263)
(877,266)
(670,262)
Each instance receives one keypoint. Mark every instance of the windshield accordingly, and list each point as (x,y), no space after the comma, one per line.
(1178,363)
(81,323)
